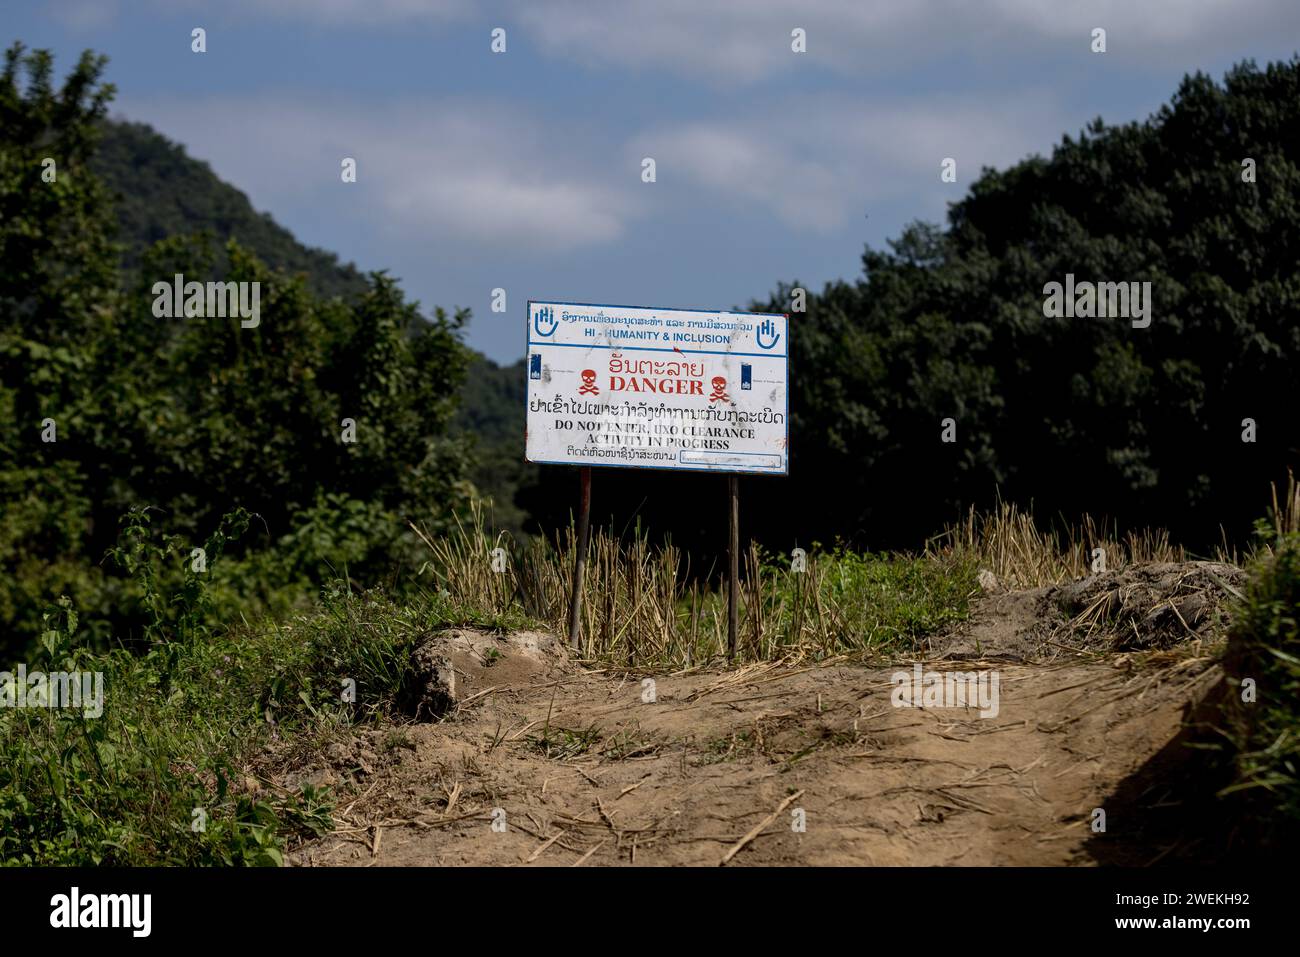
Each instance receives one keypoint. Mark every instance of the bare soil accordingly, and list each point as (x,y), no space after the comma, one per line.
(577,765)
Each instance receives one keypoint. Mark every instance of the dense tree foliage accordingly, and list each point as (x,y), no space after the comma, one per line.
(491,414)
(1073,415)
(104,406)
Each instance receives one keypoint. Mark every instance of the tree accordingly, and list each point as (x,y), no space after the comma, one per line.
(57,294)
(194,416)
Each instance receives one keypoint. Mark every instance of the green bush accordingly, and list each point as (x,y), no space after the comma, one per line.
(1263,729)
(105,407)
(186,713)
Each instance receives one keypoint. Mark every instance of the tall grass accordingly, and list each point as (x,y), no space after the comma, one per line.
(641,605)
(1261,711)
(1007,542)
(1285,514)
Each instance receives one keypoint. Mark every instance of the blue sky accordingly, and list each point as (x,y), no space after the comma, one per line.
(522,170)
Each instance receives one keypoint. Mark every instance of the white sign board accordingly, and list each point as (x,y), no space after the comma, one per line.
(657,388)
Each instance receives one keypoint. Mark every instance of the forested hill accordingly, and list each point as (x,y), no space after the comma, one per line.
(160,191)
(1179,421)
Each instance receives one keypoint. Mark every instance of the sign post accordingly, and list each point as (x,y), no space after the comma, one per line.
(683,390)
(580,557)
(733,553)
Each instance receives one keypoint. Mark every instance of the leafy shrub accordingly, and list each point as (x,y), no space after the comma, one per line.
(1264,731)
(130,785)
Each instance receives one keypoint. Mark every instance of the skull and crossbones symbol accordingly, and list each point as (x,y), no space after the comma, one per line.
(588,383)
(719,393)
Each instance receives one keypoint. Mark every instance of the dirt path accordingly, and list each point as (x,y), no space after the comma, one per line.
(579,767)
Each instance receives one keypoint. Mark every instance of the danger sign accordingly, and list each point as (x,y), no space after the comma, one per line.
(657,388)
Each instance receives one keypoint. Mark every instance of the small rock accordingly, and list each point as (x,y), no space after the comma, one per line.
(366,762)
(988,581)
(430,687)
(321,778)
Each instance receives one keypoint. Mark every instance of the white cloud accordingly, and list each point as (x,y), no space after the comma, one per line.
(83,15)
(742,42)
(731,42)
(95,14)
(464,172)
(818,164)
(355,12)
(478,174)
(1151,22)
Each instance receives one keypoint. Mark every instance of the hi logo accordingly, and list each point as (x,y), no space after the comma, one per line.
(544,321)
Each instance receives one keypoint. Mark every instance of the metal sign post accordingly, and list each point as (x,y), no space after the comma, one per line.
(580,557)
(733,553)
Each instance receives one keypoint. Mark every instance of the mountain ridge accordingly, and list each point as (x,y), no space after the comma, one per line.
(160,191)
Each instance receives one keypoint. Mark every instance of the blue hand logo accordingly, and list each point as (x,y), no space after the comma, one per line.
(544,321)
(767,330)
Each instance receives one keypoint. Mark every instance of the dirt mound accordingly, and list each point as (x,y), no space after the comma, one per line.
(1141,608)
(815,763)
(536,760)
(460,664)
(1003,626)
(1147,606)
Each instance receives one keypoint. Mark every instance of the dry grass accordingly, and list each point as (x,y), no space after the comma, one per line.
(1008,543)
(641,605)
(1286,511)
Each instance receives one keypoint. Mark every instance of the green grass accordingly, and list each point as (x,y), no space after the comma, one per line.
(175,770)
(161,776)
(564,743)
(641,608)
(858,604)
(1262,724)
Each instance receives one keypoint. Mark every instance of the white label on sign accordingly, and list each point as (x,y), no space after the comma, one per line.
(657,388)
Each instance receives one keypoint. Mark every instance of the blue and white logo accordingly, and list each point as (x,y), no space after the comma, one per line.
(544,321)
